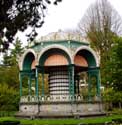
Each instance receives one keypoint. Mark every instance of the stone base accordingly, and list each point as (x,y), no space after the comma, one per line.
(60,109)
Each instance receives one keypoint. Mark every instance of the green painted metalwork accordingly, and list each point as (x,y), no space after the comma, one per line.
(73,91)
(28,61)
(89,86)
(94,73)
(36,80)
(73,44)
(98,83)
(29,84)
(30,74)
(42,81)
(70,78)
(76,81)
(71,81)
(88,56)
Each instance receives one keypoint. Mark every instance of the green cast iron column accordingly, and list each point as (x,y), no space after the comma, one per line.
(70,79)
(36,80)
(20,79)
(72,91)
(77,84)
(94,72)
(42,81)
(89,86)
(98,82)
(29,84)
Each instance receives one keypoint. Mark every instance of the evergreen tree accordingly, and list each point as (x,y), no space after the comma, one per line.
(11,59)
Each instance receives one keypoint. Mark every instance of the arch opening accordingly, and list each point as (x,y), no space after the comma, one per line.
(53,65)
(84,61)
(29,61)
(85,58)
(54,57)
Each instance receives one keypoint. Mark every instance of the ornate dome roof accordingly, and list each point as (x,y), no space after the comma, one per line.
(59,36)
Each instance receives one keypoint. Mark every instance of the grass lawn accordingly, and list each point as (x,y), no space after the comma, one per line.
(63,121)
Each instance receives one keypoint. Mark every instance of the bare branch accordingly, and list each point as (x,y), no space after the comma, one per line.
(100,24)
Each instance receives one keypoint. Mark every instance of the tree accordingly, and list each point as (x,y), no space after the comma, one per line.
(6,59)
(113,93)
(17,15)
(11,59)
(116,64)
(9,98)
(9,82)
(108,98)
(101,24)
(16,51)
(10,69)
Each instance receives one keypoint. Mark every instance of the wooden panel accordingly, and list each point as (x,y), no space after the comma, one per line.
(55,60)
(80,61)
(33,64)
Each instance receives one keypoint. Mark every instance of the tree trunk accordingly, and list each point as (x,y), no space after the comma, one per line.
(120,106)
(110,106)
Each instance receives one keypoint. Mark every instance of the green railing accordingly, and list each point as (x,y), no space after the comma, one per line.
(57,98)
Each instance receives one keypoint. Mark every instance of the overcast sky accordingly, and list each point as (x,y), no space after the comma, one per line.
(67,15)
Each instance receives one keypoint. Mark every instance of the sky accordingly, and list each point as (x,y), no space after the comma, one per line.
(66,15)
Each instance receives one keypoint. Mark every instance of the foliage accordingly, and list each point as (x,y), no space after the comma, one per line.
(110,97)
(9,82)
(116,64)
(11,59)
(9,98)
(18,15)
(10,69)
(113,74)
(118,97)
(101,24)
(7,113)
(10,76)
(16,51)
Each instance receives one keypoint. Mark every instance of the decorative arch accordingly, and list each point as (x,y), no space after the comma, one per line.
(58,49)
(28,60)
(87,54)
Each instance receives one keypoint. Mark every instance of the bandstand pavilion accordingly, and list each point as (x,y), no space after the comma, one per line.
(55,67)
